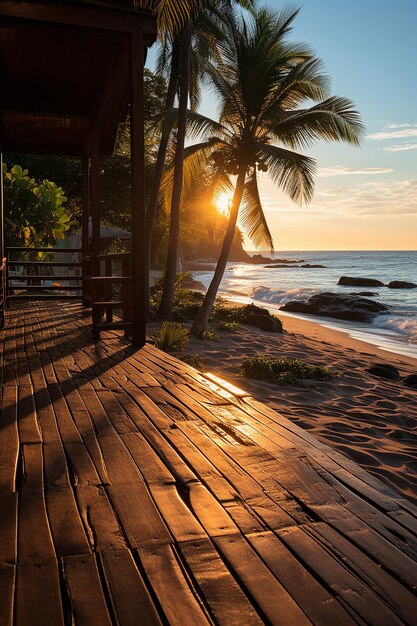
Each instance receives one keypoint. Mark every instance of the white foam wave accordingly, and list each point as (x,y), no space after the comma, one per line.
(404,325)
(279,296)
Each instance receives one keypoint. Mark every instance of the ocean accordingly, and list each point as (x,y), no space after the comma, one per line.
(394,331)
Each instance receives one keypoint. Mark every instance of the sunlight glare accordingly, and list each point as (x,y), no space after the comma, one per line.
(223,203)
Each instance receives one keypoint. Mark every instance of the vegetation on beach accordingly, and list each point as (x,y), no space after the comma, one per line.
(284,371)
(195,360)
(171,337)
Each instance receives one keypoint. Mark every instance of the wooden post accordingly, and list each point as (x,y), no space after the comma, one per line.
(85,236)
(2,248)
(139,256)
(95,225)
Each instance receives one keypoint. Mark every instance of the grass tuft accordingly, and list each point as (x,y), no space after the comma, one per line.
(195,360)
(171,336)
(284,371)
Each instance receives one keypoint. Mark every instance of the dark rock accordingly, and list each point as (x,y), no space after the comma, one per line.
(276,265)
(364,293)
(342,307)
(410,381)
(401,284)
(351,281)
(263,322)
(261,318)
(188,282)
(384,370)
(259,258)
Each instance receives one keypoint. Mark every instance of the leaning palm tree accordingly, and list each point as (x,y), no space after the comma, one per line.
(261,82)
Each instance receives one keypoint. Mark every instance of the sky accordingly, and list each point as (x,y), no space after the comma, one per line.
(365,198)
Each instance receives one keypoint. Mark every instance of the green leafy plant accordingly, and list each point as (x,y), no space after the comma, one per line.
(230,327)
(195,360)
(36,213)
(209,335)
(284,371)
(171,336)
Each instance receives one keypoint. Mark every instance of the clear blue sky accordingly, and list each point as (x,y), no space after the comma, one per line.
(365,198)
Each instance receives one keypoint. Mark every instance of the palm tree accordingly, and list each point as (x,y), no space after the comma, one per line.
(200,35)
(261,80)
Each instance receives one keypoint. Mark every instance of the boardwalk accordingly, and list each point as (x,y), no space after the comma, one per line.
(134,490)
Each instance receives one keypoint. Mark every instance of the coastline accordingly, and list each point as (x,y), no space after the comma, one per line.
(370,419)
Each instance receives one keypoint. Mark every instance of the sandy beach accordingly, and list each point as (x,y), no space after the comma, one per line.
(371,420)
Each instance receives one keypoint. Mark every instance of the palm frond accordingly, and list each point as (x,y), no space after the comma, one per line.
(292,172)
(252,220)
(334,119)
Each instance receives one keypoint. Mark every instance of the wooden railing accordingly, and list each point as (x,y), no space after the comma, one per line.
(110,286)
(2,291)
(42,278)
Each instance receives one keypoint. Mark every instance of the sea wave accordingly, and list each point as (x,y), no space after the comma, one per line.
(401,324)
(280,296)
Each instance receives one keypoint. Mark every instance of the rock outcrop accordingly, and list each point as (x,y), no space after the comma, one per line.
(261,318)
(384,370)
(342,307)
(352,281)
(401,284)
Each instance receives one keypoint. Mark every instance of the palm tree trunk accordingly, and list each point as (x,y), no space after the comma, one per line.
(159,165)
(167,299)
(202,318)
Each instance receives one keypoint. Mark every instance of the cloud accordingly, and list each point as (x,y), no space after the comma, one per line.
(400,147)
(399,126)
(340,170)
(394,134)
(378,199)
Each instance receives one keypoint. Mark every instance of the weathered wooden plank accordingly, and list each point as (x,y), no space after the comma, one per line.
(223,597)
(177,515)
(100,522)
(8,527)
(173,588)
(273,600)
(317,602)
(88,604)
(387,586)
(7,592)
(132,602)
(9,439)
(355,594)
(138,515)
(38,597)
(151,466)
(66,525)
(28,426)
(210,513)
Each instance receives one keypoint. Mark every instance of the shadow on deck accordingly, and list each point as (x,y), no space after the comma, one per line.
(135,490)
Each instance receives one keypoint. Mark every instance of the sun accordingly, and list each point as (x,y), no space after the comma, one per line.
(223,202)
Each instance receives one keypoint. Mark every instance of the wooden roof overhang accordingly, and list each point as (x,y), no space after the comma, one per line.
(64,70)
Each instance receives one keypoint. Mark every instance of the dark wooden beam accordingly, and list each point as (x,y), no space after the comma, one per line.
(95,195)
(100,17)
(139,256)
(85,236)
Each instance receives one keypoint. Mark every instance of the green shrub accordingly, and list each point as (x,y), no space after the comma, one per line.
(229,326)
(194,360)
(284,371)
(208,335)
(171,336)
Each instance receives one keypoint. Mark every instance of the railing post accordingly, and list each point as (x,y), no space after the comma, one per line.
(85,236)
(139,256)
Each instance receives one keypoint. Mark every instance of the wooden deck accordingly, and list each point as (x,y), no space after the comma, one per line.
(134,490)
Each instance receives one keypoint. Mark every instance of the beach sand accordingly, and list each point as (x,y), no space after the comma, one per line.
(371,420)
